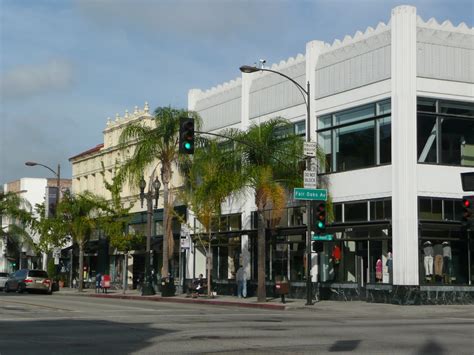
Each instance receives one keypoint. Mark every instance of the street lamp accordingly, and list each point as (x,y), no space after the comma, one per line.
(247,69)
(57,174)
(153,193)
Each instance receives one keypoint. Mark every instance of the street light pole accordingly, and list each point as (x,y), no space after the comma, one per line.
(307,98)
(153,193)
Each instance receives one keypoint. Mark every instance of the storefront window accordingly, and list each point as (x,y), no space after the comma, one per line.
(355,212)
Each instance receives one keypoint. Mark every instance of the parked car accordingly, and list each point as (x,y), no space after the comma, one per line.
(3,279)
(29,280)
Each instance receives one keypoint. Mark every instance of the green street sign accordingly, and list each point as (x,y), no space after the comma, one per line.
(310,194)
(324,237)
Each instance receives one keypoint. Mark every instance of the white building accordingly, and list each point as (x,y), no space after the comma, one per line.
(393,109)
(32,191)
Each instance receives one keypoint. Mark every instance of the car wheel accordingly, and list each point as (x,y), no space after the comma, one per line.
(6,289)
(21,288)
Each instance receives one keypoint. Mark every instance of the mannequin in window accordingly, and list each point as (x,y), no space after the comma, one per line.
(438,261)
(378,270)
(389,266)
(428,259)
(336,260)
(447,262)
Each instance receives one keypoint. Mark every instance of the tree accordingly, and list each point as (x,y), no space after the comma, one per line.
(156,145)
(116,220)
(17,210)
(80,217)
(272,162)
(211,176)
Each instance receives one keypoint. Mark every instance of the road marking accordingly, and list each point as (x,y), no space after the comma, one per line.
(41,305)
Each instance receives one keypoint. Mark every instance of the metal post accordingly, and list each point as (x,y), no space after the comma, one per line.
(147,288)
(309,284)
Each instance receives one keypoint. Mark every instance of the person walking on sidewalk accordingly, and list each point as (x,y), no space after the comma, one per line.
(241,277)
(98,280)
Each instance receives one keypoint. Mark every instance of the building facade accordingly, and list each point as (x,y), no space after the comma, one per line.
(15,252)
(393,110)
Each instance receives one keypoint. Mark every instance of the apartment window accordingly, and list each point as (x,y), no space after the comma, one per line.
(356,138)
(445,132)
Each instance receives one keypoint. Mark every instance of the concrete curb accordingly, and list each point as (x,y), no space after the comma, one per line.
(193,301)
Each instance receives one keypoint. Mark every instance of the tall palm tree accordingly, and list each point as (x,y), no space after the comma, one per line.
(211,176)
(80,217)
(271,157)
(156,145)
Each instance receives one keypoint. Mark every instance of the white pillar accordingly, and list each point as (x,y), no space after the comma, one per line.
(404,147)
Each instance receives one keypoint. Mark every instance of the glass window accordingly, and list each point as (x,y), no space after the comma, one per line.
(300,128)
(338,212)
(355,146)
(385,140)
(295,216)
(387,207)
(324,121)
(456,108)
(426,105)
(355,212)
(355,114)
(424,206)
(437,209)
(235,222)
(448,210)
(384,107)
(457,141)
(325,144)
(426,131)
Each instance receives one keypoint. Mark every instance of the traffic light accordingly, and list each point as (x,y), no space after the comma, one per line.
(320,221)
(186,135)
(467,211)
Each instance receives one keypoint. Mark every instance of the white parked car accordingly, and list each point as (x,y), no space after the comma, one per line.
(3,279)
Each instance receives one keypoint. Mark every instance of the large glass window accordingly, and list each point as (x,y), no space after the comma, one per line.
(438,209)
(360,137)
(445,131)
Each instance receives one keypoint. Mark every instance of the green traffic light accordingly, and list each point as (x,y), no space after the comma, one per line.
(320,225)
(187,146)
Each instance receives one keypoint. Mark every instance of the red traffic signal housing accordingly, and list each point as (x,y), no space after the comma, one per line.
(468,211)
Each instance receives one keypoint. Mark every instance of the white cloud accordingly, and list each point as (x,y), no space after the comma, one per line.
(30,80)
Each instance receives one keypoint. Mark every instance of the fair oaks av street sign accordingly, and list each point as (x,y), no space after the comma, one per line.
(310,194)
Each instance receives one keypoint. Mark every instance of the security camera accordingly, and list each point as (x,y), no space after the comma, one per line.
(262,61)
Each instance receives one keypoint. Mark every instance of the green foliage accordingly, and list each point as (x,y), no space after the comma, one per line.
(52,269)
(117,218)
(17,210)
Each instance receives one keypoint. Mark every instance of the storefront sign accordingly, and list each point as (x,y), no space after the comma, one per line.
(310,194)
(324,237)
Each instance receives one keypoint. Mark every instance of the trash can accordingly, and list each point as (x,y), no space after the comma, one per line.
(282,288)
(168,288)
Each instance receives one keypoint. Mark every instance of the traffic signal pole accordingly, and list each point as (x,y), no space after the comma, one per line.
(309,212)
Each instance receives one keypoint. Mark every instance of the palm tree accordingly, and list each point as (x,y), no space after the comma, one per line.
(211,177)
(80,215)
(271,161)
(156,145)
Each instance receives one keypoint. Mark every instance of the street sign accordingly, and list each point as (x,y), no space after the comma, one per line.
(309,149)
(310,179)
(323,237)
(185,243)
(310,194)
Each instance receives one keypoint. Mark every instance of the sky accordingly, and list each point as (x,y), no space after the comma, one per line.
(67,65)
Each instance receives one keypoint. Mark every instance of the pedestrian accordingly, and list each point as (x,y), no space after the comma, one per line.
(241,277)
(98,280)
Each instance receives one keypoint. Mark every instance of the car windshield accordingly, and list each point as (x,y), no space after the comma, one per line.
(3,274)
(37,273)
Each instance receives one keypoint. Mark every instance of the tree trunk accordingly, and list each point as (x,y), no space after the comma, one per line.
(81,266)
(165,178)
(261,291)
(125,271)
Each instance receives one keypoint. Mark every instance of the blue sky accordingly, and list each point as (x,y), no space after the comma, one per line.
(65,66)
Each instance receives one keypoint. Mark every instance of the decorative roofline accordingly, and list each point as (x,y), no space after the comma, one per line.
(128,117)
(444,26)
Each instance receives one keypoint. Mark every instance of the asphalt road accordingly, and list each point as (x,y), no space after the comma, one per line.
(58,324)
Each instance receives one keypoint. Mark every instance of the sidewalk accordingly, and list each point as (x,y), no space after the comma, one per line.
(220,300)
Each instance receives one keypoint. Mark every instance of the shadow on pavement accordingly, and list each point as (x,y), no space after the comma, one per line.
(73,336)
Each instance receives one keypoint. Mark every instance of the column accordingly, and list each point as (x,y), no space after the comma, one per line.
(404,147)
